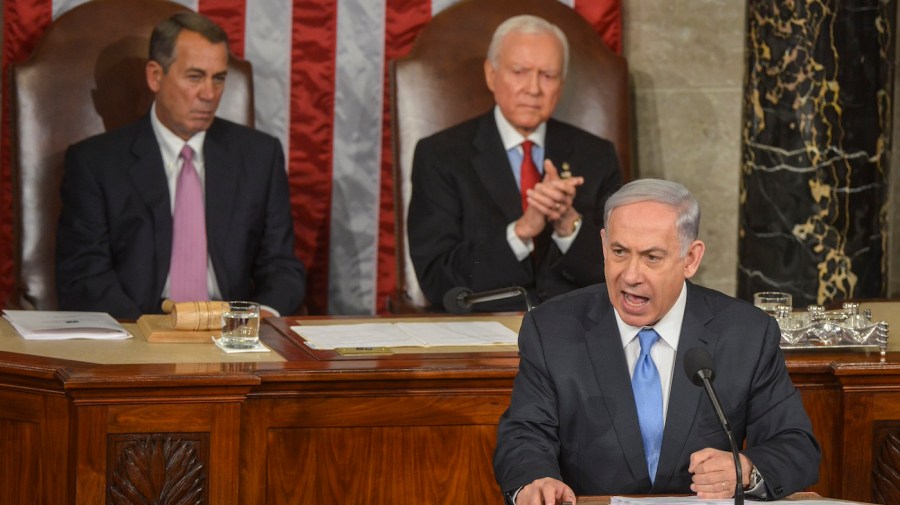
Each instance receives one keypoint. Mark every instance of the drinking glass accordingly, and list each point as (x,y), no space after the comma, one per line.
(240,328)
(769,301)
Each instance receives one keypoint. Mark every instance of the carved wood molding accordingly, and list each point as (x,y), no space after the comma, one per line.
(886,469)
(159,468)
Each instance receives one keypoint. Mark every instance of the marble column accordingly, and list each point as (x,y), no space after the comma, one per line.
(816,143)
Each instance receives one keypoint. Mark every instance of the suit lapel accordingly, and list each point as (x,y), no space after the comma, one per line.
(608,358)
(685,396)
(559,149)
(149,178)
(492,166)
(222,176)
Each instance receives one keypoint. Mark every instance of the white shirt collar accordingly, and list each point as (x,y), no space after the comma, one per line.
(511,138)
(668,328)
(170,145)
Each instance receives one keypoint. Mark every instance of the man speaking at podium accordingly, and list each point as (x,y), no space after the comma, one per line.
(601,404)
(512,197)
(180,204)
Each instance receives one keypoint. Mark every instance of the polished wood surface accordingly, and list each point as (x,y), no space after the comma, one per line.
(315,426)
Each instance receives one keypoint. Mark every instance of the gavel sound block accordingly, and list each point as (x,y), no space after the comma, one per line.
(186,322)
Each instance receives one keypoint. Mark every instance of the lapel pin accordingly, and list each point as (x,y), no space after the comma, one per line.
(565,174)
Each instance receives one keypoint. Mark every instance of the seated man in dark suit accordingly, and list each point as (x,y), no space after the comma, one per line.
(601,405)
(180,204)
(512,197)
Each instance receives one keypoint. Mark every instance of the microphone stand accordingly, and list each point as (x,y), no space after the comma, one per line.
(500,294)
(459,300)
(739,485)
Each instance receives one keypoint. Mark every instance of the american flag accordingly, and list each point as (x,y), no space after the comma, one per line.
(320,78)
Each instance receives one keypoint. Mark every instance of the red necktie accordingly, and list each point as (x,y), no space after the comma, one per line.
(529,173)
(187,271)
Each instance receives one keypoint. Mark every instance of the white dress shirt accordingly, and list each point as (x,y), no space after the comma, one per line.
(170,146)
(663,353)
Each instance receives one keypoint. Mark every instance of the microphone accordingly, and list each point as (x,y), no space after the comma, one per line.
(459,300)
(698,365)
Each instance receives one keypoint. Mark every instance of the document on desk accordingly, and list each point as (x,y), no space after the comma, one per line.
(406,334)
(693,500)
(64,325)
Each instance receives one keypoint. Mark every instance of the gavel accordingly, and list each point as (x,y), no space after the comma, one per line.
(201,315)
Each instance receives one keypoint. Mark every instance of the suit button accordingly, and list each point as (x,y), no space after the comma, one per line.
(779,490)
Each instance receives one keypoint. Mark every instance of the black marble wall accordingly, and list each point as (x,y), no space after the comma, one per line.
(816,138)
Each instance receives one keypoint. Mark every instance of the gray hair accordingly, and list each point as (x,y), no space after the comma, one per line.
(164,36)
(670,193)
(527,24)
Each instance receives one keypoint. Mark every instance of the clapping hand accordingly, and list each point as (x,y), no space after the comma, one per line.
(550,201)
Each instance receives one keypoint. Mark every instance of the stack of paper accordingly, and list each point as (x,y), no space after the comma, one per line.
(57,325)
(693,500)
(407,334)
(667,500)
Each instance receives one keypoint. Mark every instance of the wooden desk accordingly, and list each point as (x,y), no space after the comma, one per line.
(296,426)
(303,426)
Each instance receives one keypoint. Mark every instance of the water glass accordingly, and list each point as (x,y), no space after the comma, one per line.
(769,301)
(240,329)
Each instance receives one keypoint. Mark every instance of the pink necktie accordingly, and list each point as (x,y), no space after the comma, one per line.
(187,273)
(529,174)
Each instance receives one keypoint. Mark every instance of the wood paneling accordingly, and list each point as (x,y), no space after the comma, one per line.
(371,449)
(821,405)
(33,447)
(380,465)
(324,428)
(210,430)
(20,461)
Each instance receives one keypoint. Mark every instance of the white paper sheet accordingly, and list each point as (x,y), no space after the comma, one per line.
(693,500)
(64,325)
(461,333)
(406,334)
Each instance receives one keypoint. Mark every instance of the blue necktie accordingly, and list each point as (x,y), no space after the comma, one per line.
(648,397)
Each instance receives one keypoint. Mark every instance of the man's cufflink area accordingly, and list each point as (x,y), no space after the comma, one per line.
(754,478)
(511,495)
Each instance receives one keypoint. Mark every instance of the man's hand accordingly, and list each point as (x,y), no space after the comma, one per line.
(553,198)
(714,473)
(531,224)
(550,200)
(545,491)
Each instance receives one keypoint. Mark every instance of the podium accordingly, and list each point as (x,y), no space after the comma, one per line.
(82,420)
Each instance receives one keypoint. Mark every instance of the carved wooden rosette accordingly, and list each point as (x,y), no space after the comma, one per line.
(160,468)
(886,470)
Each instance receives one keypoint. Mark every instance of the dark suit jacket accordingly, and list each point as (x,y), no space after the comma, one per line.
(573,417)
(114,239)
(464,195)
